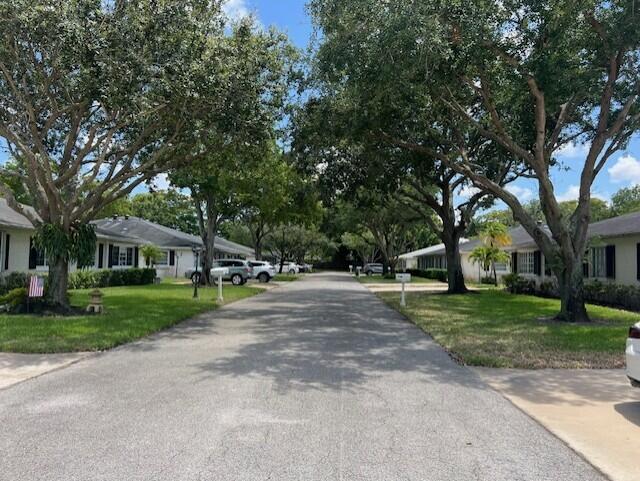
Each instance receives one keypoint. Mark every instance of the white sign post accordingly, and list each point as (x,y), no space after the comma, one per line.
(403,278)
(219,272)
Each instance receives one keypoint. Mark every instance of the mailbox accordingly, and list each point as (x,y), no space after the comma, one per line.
(404,278)
(219,271)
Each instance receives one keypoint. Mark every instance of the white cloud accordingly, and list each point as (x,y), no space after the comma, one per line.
(236,9)
(573,150)
(573,192)
(625,170)
(524,194)
(468,191)
(161,182)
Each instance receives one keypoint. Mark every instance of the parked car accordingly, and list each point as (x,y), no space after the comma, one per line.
(263,271)
(290,268)
(240,271)
(633,355)
(306,268)
(372,268)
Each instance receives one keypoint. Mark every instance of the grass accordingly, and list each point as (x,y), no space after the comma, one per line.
(287,277)
(382,280)
(497,329)
(131,313)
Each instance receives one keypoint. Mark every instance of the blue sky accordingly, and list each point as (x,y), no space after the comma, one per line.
(622,170)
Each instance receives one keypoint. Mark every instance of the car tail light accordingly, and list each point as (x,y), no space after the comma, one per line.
(634,332)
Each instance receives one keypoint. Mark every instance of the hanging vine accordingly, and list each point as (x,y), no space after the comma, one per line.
(79,245)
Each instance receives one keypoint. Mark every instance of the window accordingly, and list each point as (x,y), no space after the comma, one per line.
(526,262)
(501,266)
(432,262)
(122,256)
(163,259)
(598,262)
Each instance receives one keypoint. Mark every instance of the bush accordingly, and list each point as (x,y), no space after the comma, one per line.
(437,274)
(488,280)
(595,292)
(14,298)
(111,278)
(15,280)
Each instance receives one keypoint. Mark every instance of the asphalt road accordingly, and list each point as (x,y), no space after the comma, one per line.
(317,380)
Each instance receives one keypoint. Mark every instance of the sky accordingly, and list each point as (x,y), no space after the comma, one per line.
(622,170)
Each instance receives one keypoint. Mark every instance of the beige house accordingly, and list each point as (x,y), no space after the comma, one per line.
(613,254)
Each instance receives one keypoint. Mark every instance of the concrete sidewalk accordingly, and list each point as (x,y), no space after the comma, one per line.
(15,368)
(596,412)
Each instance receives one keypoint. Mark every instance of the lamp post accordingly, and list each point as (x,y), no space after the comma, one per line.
(196,275)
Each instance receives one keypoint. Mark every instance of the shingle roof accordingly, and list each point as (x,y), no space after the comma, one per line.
(435,249)
(11,218)
(161,236)
(628,224)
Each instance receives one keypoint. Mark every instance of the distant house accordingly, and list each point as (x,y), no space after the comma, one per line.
(613,254)
(118,246)
(428,258)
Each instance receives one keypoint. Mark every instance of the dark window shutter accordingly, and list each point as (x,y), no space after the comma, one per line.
(611,262)
(100,256)
(585,269)
(110,259)
(7,243)
(537,263)
(514,262)
(136,256)
(637,261)
(33,255)
(172,258)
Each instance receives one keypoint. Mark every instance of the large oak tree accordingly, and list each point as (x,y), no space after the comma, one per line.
(94,99)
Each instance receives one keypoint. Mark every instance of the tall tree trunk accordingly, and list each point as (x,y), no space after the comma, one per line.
(571,287)
(58,283)
(208,228)
(455,277)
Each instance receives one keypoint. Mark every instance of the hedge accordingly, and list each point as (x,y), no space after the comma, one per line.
(111,277)
(437,274)
(86,279)
(595,292)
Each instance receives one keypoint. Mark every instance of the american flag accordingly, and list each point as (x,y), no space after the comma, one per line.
(36,286)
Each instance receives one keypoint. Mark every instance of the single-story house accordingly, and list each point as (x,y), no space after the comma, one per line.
(118,245)
(428,258)
(613,254)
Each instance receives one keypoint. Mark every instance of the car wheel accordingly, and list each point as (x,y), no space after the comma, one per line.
(369,273)
(291,271)
(237,280)
(196,277)
(264,277)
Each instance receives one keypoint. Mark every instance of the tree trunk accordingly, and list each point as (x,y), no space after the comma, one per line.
(571,287)
(58,283)
(455,277)
(258,250)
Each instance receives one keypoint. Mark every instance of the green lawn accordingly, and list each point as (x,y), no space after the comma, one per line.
(131,313)
(496,329)
(382,280)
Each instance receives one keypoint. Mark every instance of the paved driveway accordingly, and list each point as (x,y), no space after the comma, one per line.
(317,380)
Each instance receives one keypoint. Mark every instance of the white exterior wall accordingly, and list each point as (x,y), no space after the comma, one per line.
(626,259)
(18,250)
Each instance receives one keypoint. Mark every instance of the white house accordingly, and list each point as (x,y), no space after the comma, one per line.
(428,258)
(613,254)
(118,245)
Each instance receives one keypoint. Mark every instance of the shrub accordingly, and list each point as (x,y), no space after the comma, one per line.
(595,292)
(437,274)
(15,280)
(14,298)
(488,280)
(111,278)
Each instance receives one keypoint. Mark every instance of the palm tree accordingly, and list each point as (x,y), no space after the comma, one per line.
(495,236)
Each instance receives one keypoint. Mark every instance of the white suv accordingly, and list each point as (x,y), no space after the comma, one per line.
(633,355)
(290,268)
(263,271)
